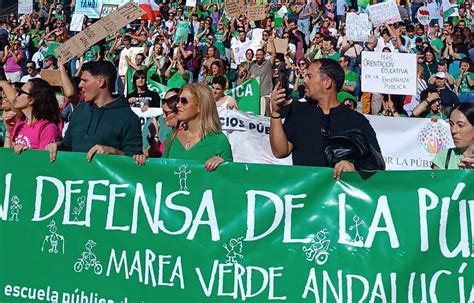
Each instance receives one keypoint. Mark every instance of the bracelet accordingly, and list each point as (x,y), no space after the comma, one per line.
(273,117)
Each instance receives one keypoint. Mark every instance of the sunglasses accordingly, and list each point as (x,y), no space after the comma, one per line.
(301,64)
(183,100)
(325,126)
(20,92)
(30,67)
(170,99)
(141,77)
(166,113)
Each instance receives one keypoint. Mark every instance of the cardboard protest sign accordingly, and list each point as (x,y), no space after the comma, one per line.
(109,230)
(182,32)
(281,45)
(76,22)
(107,9)
(25,7)
(256,13)
(131,53)
(234,8)
(99,30)
(52,76)
(384,13)
(389,73)
(357,27)
(423,15)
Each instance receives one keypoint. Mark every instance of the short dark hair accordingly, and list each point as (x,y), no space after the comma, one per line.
(219,80)
(102,68)
(429,90)
(333,70)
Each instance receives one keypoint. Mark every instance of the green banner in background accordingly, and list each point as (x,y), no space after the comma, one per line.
(247,95)
(111,231)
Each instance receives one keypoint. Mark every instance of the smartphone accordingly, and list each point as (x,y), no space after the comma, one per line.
(283,80)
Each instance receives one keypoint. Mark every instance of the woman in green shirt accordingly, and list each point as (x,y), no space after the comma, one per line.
(199,134)
(461,121)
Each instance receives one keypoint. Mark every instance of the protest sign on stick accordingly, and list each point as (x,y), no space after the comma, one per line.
(234,8)
(384,13)
(357,27)
(389,73)
(423,15)
(191,3)
(99,30)
(256,13)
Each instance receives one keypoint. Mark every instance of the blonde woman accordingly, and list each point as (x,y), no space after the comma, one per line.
(199,135)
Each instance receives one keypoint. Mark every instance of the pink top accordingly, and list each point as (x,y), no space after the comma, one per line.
(37,135)
(10,65)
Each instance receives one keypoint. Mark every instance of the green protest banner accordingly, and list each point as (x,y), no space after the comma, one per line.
(182,32)
(51,47)
(157,87)
(111,231)
(247,95)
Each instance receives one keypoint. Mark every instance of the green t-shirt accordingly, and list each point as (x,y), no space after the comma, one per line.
(334,56)
(218,43)
(440,159)
(439,46)
(350,79)
(465,88)
(440,115)
(211,145)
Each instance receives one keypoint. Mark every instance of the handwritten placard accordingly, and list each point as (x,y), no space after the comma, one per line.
(234,8)
(52,76)
(25,7)
(97,31)
(256,13)
(107,9)
(384,13)
(357,27)
(281,45)
(77,21)
(389,73)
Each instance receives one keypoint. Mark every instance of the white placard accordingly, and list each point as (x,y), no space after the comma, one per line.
(389,73)
(410,143)
(241,48)
(384,13)
(357,27)
(76,22)
(92,8)
(131,52)
(191,3)
(25,7)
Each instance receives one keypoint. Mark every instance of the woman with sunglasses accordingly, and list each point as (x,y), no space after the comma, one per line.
(156,129)
(12,59)
(38,125)
(198,135)
(296,78)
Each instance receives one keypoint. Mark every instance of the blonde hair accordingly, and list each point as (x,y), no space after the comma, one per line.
(208,116)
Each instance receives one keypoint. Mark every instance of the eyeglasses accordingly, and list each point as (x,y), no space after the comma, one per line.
(20,92)
(325,126)
(341,61)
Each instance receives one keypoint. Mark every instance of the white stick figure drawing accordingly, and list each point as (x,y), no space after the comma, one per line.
(53,239)
(358,238)
(183,176)
(88,260)
(15,208)
(234,250)
(77,210)
(318,251)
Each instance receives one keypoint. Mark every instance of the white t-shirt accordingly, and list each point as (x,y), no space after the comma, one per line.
(25,78)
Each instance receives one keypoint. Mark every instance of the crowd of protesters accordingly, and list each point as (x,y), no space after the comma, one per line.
(315,30)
